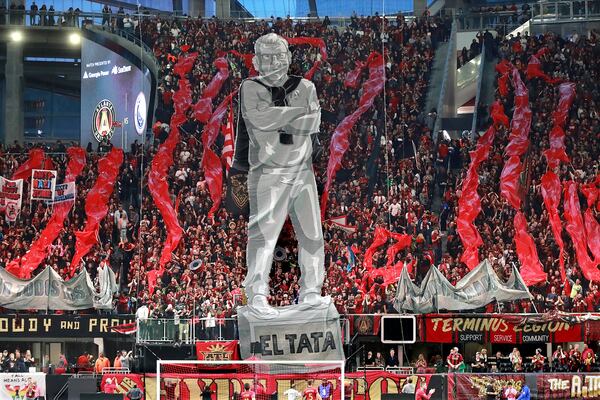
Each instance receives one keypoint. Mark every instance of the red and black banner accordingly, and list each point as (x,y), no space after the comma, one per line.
(217,350)
(498,329)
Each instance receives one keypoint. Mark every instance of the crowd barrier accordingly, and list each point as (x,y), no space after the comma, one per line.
(364,385)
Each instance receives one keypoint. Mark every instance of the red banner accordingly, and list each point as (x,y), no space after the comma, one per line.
(353,77)
(211,163)
(35,160)
(96,204)
(534,70)
(531,267)
(122,382)
(475,386)
(550,183)
(163,160)
(469,203)
(509,181)
(39,248)
(364,324)
(592,228)
(497,328)
(577,231)
(203,108)
(541,386)
(364,385)
(339,141)
(217,350)
(312,41)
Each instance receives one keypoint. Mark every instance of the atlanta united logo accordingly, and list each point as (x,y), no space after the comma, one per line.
(102,123)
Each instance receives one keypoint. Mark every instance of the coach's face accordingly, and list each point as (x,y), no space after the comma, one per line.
(273,62)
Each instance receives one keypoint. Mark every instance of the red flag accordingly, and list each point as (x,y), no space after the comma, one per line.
(203,108)
(35,160)
(311,72)
(534,70)
(125,329)
(592,228)
(509,181)
(185,63)
(211,164)
(380,238)
(228,140)
(402,242)
(551,193)
(577,231)
(39,248)
(339,141)
(163,160)
(469,203)
(531,268)
(312,41)
(96,204)
(353,77)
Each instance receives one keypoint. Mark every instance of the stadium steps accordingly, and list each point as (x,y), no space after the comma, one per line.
(488,90)
(436,76)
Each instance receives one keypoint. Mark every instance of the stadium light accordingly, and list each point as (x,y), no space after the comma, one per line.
(16,36)
(74,39)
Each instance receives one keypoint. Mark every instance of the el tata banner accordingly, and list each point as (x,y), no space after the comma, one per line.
(541,386)
(497,328)
(369,385)
(59,326)
(22,386)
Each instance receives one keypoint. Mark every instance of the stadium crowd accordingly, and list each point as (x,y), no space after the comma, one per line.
(398,174)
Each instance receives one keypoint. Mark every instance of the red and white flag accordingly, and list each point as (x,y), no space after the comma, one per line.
(227,154)
(125,329)
(341,222)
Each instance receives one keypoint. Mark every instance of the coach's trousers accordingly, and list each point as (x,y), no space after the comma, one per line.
(275,193)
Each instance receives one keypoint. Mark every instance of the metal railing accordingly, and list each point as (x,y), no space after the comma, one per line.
(188,331)
(565,11)
(185,331)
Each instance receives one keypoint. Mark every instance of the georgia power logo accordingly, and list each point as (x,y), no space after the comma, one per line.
(139,113)
(102,123)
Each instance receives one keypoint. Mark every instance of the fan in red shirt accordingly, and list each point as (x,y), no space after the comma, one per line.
(454,360)
(247,394)
(311,393)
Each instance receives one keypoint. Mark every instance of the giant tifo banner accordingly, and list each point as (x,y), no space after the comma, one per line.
(22,386)
(48,291)
(370,385)
(541,386)
(500,328)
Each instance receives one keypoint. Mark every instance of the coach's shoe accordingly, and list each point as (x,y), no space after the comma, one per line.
(261,306)
(315,299)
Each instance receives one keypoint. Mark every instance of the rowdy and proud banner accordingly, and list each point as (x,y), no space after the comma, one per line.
(11,197)
(22,386)
(43,183)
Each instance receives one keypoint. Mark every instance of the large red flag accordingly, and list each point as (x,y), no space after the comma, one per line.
(211,164)
(339,140)
(531,268)
(39,249)
(228,140)
(35,160)
(577,231)
(96,204)
(203,108)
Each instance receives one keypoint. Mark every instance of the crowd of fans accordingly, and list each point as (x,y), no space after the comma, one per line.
(572,59)
(389,176)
